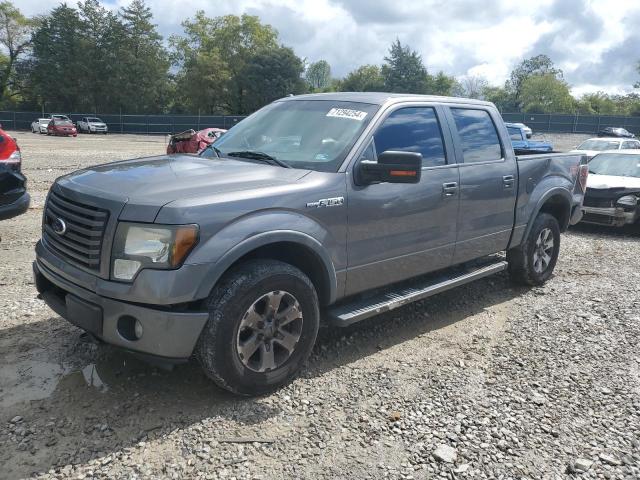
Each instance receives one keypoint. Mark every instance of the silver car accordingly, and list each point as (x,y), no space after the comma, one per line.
(40,125)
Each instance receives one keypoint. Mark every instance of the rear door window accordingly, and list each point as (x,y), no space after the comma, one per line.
(478,135)
(413,129)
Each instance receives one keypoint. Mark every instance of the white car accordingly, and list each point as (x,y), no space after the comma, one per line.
(613,189)
(92,125)
(594,146)
(40,125)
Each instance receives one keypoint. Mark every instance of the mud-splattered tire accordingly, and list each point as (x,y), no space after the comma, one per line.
(532,262)
(263,323)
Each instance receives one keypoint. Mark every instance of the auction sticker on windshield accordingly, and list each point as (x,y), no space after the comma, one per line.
(347,113)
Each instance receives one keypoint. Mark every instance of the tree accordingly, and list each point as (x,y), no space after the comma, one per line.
(144,61)
(440,84)
(366,78)
(15,39)
(55,63)
(598,103)
(538,65)
(546,94)
(404,71)
(227,43)
(271,74)
(100,48)
(502,98)
(318,75)
(473,86)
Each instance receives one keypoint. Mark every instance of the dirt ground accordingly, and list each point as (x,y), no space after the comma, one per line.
(486,381)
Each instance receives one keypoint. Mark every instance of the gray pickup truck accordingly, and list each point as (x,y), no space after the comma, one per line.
(332,207)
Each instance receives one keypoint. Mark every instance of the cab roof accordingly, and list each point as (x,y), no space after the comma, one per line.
(382,98)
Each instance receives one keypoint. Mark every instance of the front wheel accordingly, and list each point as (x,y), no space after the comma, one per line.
(532,262)
(263,323)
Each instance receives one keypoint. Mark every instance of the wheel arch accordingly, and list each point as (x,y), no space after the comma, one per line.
(556,202)
(295,248)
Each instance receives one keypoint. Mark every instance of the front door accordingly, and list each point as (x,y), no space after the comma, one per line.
(488,185)
(398,231)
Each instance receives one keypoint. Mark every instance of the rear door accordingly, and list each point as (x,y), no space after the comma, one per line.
(397,231)
(488,174)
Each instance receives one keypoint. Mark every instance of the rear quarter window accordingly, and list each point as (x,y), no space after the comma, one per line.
(478,135)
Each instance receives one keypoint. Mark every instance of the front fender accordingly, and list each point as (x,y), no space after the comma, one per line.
(246,234)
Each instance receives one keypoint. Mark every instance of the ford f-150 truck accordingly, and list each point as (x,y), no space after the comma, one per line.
(332,207)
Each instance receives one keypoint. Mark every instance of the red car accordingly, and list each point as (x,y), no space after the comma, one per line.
(192,141)
(14,199)
(61,127)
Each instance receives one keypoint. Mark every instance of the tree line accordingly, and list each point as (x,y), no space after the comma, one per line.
(91,59)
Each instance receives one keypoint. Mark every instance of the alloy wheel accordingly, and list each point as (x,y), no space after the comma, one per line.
(269,331)
(543,250)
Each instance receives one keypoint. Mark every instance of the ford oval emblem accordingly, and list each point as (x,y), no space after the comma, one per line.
(59,226)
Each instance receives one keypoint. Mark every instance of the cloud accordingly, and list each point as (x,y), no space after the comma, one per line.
(595,44)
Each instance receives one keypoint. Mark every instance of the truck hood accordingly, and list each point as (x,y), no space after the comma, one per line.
(611,181)
(155,181)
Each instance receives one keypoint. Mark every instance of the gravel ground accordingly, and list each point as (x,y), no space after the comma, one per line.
(486,381)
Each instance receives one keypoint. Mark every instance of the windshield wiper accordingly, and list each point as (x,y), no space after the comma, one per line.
(264,157)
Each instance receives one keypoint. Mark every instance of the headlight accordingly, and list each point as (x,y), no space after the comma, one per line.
(628,201)
(138,246)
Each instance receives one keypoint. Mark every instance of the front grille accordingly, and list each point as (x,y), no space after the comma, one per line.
(598,202)
(597,218)
(81,244)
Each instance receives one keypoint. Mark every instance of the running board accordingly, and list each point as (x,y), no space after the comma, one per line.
(346,314)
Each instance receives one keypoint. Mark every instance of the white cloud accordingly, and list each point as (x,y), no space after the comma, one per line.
(588,39)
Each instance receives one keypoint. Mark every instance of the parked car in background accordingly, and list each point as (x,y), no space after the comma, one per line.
(523,145)
(92,125)
(353,203)
(14,199)
(528,132)
(60,116)
(615,132)
(40,125)
(60,127)
(192,141)
(613,189)
(593,146)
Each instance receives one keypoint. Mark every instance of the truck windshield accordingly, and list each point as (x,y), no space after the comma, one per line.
(616,164)
(311,134)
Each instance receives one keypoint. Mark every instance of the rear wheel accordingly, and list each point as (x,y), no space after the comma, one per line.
(532,262)
(263,322)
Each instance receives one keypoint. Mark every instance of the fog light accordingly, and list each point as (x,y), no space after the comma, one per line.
(129,328)
(138,330)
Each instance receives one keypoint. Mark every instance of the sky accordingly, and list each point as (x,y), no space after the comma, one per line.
(595,42)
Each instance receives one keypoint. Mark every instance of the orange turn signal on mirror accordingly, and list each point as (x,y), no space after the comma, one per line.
(186,238)
(403,173)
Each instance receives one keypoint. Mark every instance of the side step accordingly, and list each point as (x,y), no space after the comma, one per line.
(345,314)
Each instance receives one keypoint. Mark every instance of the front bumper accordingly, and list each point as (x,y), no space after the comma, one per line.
(614,216)
(167,332)
(16,208)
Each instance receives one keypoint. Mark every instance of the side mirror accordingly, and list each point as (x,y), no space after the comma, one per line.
(392,167)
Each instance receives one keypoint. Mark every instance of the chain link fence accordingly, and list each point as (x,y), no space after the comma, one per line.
(562,123)
(168,124)
(121,123)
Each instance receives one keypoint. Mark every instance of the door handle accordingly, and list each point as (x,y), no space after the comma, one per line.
(449,189)
(508,181)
